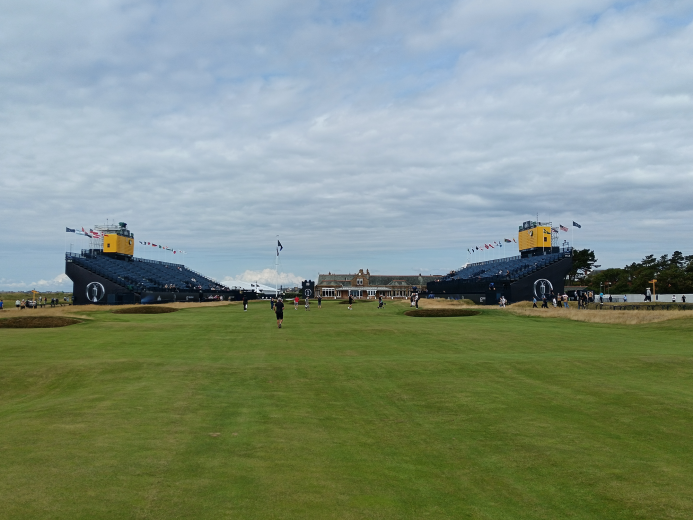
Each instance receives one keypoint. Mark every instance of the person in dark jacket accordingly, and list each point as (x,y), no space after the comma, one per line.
(279,311)
(245,303)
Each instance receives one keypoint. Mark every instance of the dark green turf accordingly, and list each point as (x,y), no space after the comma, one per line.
(345,414)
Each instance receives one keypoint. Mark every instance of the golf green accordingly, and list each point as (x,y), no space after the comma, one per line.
(216,413)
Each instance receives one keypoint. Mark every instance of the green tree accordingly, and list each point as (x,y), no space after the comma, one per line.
(583,260)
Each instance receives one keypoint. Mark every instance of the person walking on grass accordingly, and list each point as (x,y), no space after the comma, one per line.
(544,302)
(673,298)
(245,303)
(319,301)
(307,300)
(416,300)
(272,303)
(296,303)
(279,311)
(1,305)
(351,301)
(683,298)
(534,302)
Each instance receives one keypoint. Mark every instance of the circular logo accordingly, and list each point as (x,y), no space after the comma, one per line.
(95,292)
(308,293)
(542,287)
(129,242)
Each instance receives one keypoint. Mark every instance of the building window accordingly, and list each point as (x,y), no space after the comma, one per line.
(359,281)
(328,292)
(371,292)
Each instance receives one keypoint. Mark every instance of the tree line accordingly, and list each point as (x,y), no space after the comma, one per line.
(674,274)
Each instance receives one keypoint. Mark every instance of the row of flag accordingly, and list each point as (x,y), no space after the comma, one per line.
(495,244)
(91,233)
(175,251)
(97,235)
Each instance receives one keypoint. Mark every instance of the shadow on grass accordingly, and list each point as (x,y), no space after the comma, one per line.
(441,313)
(144,310)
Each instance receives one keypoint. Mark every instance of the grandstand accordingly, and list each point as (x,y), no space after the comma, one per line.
(112,274)
(539,270)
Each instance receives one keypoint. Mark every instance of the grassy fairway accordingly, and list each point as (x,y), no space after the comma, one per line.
(346,414)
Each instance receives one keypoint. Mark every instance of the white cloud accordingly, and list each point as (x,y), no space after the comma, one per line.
(60,283)
(267,277)
(399,128)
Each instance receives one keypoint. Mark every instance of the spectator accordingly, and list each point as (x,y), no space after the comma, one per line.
(319,301)
(544,303)
(1,305)
(279,311)
(534,302)
(673,298)
(16,304)
(683,298)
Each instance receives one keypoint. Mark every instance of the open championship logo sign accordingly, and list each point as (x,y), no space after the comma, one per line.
(542,288)
(95,291)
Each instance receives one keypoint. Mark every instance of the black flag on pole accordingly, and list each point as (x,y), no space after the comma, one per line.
(279,247)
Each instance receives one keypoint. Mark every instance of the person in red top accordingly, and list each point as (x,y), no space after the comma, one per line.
(296,303)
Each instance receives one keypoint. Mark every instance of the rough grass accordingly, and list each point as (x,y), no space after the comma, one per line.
(440,303)
(213,412)
(441,313)
(144,309)
(595,316)
(36,322)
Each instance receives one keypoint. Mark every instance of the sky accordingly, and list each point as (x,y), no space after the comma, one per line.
(384,135)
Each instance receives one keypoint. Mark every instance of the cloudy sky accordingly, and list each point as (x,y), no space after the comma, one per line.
(389,135)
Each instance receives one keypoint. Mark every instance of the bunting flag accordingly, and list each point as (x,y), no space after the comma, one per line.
(68,230)
(508,241)
(563,228)
(95,234)
(553,230)
(514,240)
(575,224)
(549,232)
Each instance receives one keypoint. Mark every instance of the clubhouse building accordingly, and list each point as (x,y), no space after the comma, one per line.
(367,285)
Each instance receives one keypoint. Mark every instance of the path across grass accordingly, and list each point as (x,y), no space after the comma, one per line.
(345,414)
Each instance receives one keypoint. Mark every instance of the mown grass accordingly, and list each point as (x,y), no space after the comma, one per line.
(345,414)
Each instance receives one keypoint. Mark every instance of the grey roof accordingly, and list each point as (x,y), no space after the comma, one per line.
(334,279)
(339,280)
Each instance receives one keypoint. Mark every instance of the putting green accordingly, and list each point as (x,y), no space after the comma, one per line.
(216,413)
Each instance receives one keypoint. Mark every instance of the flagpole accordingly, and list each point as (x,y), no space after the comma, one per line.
(276,263)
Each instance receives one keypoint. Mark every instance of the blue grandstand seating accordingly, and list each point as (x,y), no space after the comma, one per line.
(512,268)
(142,274)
